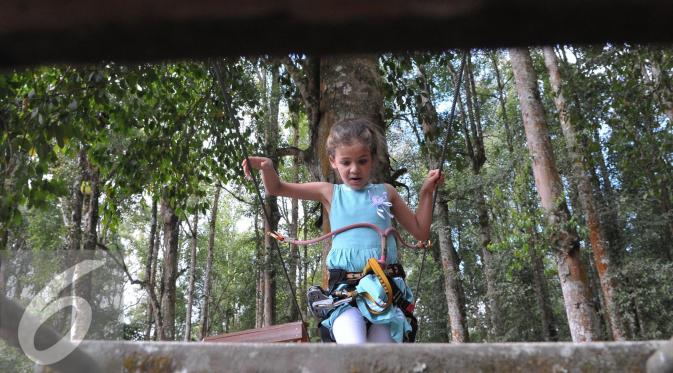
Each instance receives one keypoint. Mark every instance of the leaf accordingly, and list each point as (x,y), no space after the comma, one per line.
(85,188)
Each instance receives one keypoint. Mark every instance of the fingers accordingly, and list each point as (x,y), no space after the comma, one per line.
(246,169)
(248,164)
(436,177)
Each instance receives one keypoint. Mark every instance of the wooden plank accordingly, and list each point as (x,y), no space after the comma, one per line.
(43,31)
(290,332)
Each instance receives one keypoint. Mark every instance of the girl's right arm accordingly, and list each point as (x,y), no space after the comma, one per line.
(316,191)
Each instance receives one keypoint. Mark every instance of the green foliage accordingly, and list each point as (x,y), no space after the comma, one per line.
(12,360)
(170,131)
(646,297)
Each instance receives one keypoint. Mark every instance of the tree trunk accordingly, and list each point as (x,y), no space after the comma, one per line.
(170,269)
(259,270)
(597,236)
(271,202)
(73,241)
(3,271)
(488,262)
(526,202)
(501,100)
(663,85)
(82,285)
(293,263)
(207,281)
(192,278)
(156,267)
(580,311)
(74,237)
(549,332)
(150,267)
(305,259)
(90,234)
(475,150)
(660,175)
(350,87)
(607,203)
(453,287)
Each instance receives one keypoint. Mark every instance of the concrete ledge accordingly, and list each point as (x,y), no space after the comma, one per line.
(511,357)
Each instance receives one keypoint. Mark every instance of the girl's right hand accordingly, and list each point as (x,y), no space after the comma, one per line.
(257,163)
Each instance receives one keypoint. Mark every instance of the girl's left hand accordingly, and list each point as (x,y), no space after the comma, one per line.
(433,180)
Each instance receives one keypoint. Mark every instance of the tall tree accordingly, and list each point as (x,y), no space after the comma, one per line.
(294,262)
(523,209)
(155,269)
(431,143)
(194,230)
(74,237)
(580,311)
(272,215)
(150,270)
(171,225)
(259,271)
(662,80)
(474,143)
(495,60)
(350,87)
(82,284)
(207,277)
(663,91)
(581,178)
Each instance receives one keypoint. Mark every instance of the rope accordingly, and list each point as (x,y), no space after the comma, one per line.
(232,117)
(443,159)
(382,232)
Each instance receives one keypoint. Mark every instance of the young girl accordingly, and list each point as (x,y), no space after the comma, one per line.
(353,146)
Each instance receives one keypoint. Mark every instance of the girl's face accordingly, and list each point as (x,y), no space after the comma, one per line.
(353,163)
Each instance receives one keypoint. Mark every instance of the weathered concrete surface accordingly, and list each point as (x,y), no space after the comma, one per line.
(662,360)
(318,358)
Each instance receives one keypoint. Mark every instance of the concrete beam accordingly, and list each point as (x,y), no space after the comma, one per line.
(46,31)
(510,357)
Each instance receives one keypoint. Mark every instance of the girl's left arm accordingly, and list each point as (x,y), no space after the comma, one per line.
(417,223)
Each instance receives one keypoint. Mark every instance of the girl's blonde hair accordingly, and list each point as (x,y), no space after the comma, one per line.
(362,130)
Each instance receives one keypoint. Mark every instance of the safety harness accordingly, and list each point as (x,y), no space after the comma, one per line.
(341,285)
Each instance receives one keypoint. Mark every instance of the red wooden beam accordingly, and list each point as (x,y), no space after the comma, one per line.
(290,332)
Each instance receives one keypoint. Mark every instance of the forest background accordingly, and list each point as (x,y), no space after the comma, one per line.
(555,222)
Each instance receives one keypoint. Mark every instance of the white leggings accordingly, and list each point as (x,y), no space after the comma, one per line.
(350,328)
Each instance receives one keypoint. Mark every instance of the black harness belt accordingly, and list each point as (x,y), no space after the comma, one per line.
(338,277)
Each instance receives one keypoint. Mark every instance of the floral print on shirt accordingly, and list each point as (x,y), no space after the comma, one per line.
(380,201)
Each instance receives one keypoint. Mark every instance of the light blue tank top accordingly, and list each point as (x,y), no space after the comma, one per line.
(351,249)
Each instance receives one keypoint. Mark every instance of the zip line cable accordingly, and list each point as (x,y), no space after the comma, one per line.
(235,122)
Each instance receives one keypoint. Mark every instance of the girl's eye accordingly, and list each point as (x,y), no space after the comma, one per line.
(363,161)
(345,163)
